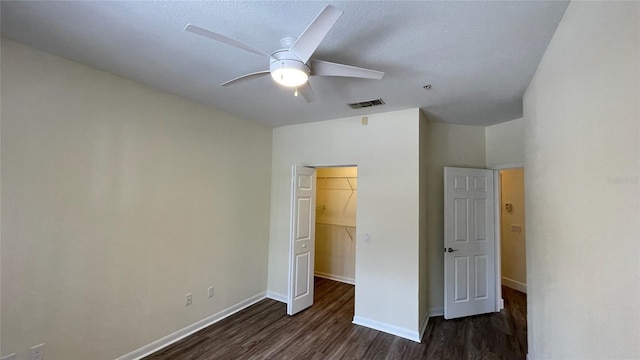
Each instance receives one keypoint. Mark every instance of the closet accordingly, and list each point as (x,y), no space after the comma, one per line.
(336,199)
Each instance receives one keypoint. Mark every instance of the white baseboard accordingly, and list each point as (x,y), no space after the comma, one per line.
(335,277)
(197,326)
(514,284)
(439,311)
(277,296)
(387,328)
(423,327)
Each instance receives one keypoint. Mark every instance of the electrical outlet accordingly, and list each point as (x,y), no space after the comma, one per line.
(9,357)
(37,352)
(188,300)
(211,292)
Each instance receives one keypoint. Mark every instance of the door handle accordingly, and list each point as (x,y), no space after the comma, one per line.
(450,250)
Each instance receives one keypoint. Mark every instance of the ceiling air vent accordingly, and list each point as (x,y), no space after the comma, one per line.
(365,104)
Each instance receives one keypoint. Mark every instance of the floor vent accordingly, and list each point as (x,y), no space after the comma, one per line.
(365,104)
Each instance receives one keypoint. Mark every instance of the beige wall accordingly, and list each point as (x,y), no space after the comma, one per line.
(117,201)
(504,144)
(582,153)
(445,145)
(336,204)
(512,241)
(386,153)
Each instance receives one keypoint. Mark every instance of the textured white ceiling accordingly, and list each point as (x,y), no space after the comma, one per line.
(478,56)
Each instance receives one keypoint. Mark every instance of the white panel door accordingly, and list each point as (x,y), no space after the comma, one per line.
(469,242)
(302,240)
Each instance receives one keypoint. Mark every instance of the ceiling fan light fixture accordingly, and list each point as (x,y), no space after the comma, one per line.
(289,73)
(291,65)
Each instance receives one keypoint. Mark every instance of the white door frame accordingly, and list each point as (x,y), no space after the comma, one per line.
(498,201)
(291,238)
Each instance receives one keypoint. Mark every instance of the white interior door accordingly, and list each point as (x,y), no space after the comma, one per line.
(302,240)
(469,242)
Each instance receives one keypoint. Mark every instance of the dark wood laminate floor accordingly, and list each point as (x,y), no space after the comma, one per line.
(325,331)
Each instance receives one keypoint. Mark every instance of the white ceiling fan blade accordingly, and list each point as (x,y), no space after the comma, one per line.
(312,36)
(326,68)
(246,77)
(229,41)
(307,92)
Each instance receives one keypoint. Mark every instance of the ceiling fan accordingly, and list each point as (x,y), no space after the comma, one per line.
(292,66)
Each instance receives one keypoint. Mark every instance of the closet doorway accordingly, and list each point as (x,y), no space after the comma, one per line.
(336,204)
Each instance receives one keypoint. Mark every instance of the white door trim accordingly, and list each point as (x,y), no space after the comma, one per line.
(498,253)
(507,166)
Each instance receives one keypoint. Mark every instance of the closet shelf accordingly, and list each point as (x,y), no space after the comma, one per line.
(340,225)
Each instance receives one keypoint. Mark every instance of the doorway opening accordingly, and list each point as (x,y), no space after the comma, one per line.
(512,270)
(513,262)
(336,204)
(323,232)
